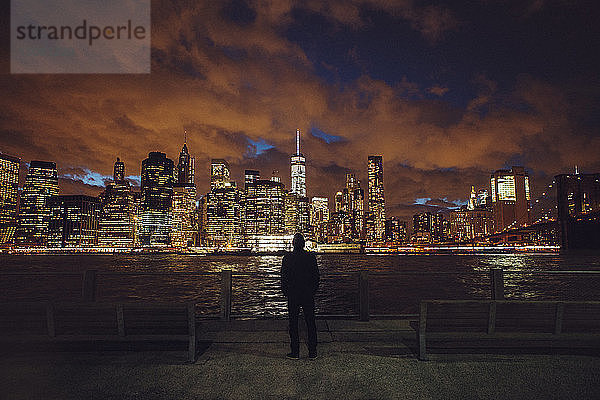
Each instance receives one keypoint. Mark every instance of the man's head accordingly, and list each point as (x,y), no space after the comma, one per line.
(298,241)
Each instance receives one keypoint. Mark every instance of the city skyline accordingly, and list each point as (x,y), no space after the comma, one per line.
(406,80)
(426,204)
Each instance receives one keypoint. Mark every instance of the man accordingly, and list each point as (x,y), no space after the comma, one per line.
(299,282)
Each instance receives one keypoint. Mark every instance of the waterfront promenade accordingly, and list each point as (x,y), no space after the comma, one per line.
(245,360)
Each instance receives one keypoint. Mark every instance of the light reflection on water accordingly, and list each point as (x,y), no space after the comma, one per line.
(397,284)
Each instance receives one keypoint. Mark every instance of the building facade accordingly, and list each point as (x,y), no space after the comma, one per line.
(184,226)
(9,197)
(41,184)
(116,227)
(73,221)
(156,200)
(376,228)
(430,228)
(264,211)
(298,170)
(510,198)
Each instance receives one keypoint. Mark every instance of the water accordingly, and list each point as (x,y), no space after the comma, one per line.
(396,282)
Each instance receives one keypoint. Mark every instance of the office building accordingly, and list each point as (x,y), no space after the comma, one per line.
(319,215)
(430,228)
(510,198)
(73,221)
(219,174)
(184,229)
(41,184)
(156,201)
(467,224)
(263,207)
(297,214)
(223,216)
(395,231)
(9,197)
(376,226)
(117,218)
(298,168)
(251,175)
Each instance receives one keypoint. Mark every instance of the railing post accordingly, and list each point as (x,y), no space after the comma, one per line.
(497,283)
(226,295)
(88,291)
(363,285)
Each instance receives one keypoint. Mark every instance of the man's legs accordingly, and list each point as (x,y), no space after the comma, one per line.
(308,307)
(293,311)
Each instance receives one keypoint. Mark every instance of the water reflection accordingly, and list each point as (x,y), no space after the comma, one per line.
(397,283)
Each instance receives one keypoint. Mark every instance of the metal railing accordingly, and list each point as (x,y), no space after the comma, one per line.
(225,292)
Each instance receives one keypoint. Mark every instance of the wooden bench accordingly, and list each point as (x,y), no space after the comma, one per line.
(132,321)
(454,324)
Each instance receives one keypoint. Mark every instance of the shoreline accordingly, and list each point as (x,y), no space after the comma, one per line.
(401,250)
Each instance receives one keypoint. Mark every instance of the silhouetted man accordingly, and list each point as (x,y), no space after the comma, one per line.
(299,282)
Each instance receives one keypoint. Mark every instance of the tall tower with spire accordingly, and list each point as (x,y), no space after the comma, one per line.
(298,163)
(183,205)
(185,167)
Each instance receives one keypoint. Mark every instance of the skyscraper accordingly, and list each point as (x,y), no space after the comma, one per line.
(319,215)
(9,196)
(185,168)
(376,231)
(41,184)
(298,163)
(73,221)
(297,214)
(223,207)
(251,175)
(116,225)
(184,225)
(157,192)
(510,198)
(264,208)
(219,173)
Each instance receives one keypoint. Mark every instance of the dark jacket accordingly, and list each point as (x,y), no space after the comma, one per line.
(299,275)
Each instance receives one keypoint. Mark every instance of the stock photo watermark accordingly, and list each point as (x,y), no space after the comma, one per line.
(79,36)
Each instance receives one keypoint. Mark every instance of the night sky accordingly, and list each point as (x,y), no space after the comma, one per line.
(447,93)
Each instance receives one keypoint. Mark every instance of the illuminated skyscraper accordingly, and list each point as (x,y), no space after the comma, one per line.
(430,228)
(297,214)
(41,184)
(116,226)
(184,225)
(185,168)
(510,198)
(339,202)
(251,175)
(319,215)
(9,196)
(223,216)
(472,203)
(395,231)
(223,207)
(219,174)
(298,170)
(73,221)
(119,171)
(264,208)
(157,193)
(376,229)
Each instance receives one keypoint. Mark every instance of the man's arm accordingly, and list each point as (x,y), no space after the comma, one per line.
(284,276)
(315,271)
